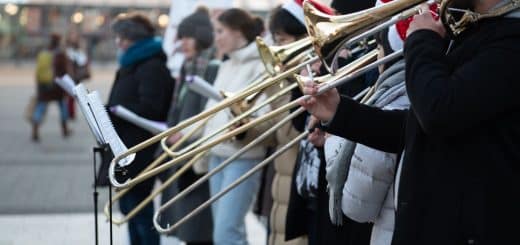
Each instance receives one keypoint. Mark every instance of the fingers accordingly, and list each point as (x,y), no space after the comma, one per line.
(317,137)
(310,88)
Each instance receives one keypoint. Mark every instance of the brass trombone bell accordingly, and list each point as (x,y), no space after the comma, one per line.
(274,57)
(328,32)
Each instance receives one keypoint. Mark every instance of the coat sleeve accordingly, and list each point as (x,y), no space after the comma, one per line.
(155,87)
(370,126)
(447,102)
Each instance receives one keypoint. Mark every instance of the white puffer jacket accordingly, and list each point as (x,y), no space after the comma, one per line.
(368,191)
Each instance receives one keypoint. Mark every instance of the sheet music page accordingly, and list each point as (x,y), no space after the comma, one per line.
(150,125)
(106,127)
(80,93)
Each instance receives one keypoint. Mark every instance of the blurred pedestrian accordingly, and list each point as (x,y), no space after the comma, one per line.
(79,69)
(50,63)
(143,85)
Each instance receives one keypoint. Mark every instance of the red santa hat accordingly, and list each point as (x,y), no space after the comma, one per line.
(295,8)
(397,32)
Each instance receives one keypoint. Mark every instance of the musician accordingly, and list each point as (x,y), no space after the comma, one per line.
(286,25)
(235,32)
(143,85)
(196,34)
(459,143)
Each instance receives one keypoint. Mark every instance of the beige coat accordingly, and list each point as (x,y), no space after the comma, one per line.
(281,188)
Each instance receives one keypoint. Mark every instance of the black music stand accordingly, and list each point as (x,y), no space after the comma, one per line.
(101,151)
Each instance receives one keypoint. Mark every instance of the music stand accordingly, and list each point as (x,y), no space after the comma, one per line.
(100,150)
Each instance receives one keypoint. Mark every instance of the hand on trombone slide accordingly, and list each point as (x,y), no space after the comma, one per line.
(316,135)
(426,20)
(322,106)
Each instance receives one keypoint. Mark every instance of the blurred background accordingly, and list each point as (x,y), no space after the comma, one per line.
(46,194)
(25,24)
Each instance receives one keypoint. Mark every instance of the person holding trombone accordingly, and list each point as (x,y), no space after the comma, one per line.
(458,143)
(235,32)
(196,34)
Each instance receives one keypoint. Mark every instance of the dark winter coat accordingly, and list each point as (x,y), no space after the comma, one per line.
(459,181)
(145,88)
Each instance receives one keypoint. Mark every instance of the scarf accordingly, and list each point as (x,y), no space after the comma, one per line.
(141,50)
(194,67)
(308,170)
(339,152)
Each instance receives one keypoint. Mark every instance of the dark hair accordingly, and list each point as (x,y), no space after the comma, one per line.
(133,26)
(237,19)
(54,41)
(382,39)
(283,21)
(197,26)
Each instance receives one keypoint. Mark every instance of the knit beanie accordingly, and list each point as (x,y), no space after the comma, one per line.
(197,26)
(349,6)
(133,27)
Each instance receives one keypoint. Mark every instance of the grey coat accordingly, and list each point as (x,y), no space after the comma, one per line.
(200,228)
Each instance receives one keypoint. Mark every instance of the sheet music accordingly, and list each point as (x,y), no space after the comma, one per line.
(80,93)
(202,87)
(99,122)
(152,126)
(107,129)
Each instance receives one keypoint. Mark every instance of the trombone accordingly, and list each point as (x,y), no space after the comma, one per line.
(354,71)
(271,115)
(336,78)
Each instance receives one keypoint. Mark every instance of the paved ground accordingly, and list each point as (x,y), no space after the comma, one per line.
(46,188)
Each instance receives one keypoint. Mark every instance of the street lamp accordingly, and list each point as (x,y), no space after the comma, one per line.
(163,20)
(77,17)
(11,9)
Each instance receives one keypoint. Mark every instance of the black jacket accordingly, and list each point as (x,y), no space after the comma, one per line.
(460,179)
(145,88)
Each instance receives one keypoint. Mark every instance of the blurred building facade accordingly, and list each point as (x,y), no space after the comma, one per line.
(25,24)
